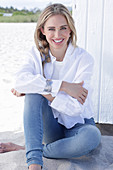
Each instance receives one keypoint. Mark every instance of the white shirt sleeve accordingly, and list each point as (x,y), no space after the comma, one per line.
(30,79)
(66,104)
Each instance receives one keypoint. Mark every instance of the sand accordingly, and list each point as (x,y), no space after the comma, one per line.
(100,159)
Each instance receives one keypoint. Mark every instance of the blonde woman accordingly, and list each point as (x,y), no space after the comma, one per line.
(56,82)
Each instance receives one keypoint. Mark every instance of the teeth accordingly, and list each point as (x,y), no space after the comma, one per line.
(57,41)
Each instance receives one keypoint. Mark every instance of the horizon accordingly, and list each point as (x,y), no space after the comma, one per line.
(26,4)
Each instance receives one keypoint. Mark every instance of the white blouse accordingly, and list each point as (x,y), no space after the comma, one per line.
(77,66)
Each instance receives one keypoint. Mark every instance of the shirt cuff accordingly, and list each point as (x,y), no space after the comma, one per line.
(65,104)
(55,87)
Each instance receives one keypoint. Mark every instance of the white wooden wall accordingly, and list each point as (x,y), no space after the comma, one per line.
(94,25)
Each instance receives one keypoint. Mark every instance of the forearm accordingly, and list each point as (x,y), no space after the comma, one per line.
(49,97)
(75,90)
(63,87)
(67,105)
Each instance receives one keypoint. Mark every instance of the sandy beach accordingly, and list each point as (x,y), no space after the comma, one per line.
(100,159)
(14,40)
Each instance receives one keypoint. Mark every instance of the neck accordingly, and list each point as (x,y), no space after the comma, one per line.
(59,54)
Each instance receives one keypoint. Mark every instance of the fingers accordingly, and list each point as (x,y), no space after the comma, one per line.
(16,93)
(80,100)
(85,91)
(82,97)
(13,91)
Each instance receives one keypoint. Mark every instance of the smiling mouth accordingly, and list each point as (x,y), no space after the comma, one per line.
(58,41)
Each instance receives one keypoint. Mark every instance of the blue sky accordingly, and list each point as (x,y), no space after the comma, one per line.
(30,4)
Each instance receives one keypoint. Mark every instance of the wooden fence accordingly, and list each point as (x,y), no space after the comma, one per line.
(94,25)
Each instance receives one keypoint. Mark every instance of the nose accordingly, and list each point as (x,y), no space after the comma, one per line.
(57,33)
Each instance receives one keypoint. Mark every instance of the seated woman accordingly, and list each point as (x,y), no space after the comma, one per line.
(56,83)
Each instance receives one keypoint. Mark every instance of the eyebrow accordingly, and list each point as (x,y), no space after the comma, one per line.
(60,26)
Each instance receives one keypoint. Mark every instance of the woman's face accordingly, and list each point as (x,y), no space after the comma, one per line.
(57,32)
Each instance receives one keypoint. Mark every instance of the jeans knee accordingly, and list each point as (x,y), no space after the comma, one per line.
(33,97)
(33,103)
(93,136)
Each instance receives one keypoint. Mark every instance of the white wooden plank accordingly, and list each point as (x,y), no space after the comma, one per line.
(88,22)
(94,24)
(106,104)
(80,17)
(93,46)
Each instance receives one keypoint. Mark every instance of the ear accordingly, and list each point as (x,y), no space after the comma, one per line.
(42,30)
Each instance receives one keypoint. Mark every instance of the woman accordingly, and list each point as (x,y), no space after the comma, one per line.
(56,82)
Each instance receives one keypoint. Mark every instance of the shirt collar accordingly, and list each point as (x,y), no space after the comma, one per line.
(69,52)
(52,57)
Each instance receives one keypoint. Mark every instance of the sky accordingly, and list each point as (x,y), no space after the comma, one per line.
(30,4)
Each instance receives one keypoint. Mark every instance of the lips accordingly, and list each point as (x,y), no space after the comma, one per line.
(58,41)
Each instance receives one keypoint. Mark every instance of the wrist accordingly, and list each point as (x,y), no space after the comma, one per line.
(63,86)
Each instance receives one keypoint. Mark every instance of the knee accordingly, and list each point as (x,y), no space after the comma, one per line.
(96,135)
(93,136)
(33,98)
(33,103)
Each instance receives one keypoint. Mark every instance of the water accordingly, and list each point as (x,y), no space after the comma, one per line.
(15,39)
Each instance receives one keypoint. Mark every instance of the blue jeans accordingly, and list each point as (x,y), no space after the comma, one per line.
(40,126)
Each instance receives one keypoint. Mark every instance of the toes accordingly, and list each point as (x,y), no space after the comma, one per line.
(1,150)
(5,147)
(8,147)
(1,145)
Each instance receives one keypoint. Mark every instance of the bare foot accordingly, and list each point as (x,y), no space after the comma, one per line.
(7,147)
(34,167)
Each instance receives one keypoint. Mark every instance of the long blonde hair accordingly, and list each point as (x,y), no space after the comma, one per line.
(40,39)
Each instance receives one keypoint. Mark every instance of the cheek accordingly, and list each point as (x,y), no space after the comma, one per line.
(49,36)
(67,34)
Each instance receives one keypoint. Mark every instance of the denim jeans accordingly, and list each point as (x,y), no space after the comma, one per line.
(40,126)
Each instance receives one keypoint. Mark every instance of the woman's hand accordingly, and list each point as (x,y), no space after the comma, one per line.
(17,93)
(49,97)
(75,90)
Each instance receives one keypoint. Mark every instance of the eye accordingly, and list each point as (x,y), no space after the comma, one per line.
(63,28)
(51,29)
